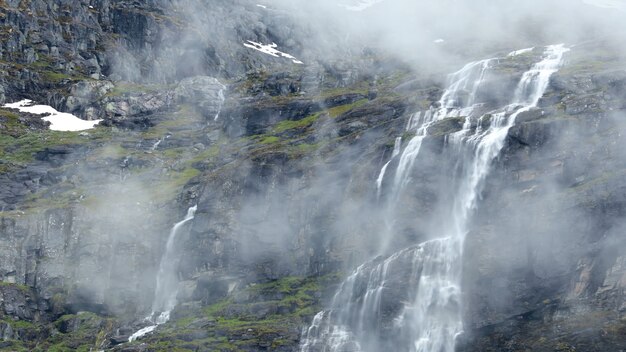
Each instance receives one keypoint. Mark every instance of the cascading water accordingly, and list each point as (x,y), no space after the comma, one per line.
(221,98)
(458,100)
(364,314)
(156,145)
(166,280)
(396,151)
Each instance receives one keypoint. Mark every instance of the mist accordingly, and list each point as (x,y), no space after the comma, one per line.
(292,215)
(457,167)
(431,35)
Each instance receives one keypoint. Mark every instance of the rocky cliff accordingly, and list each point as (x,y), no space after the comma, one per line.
(281,160)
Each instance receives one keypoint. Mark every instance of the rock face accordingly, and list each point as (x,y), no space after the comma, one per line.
(50,49)
(282,163)
(205,92)
(550,225)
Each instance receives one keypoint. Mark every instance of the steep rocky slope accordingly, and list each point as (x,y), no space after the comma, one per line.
(281,160)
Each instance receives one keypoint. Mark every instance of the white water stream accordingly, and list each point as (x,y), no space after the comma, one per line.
(396,151)
(166,281)
(430,320)
(222,98)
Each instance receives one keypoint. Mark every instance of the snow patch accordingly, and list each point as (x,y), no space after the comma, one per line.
(521,51)
(438,41)
(261,6)
(59,121)
(270,49)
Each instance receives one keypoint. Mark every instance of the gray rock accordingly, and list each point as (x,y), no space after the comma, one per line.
(207,93)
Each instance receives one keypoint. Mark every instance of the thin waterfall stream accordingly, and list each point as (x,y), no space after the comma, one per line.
(430,319)
(221,98)
(166,281)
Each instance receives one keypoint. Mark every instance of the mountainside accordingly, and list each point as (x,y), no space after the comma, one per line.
(287,176)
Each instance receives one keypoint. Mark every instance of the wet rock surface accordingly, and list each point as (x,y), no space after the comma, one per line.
(552,294)
(292,150)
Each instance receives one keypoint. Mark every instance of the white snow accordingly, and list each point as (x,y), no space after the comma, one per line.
(59,121)
(270,49)
(438,41)
(261,6)
(521,51)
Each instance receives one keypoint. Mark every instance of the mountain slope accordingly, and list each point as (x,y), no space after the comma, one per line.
(282,161)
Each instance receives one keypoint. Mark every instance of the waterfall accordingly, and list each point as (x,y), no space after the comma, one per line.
(396,150)
(156,145)
(166,281)
(465,81)
(451,104)
(411,301)
(455,101)
(220,96)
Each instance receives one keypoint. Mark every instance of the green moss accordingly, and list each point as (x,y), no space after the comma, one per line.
(293,136)
(90,327)
(342,109)
(305,148)
(82,339)
(564,347)
(289,124)
(19,324)
(56,77)
(60,347)
(175,153)
(210,153)
(281,342)
(216,310)
(16,346)
(8,114)
(188,174)
(125,88)
(111,151)
(180,122)
(252,80)
(21,150)
(245,330)
(10,124)
(269,140)
(87,318)
(184,322)
(169,187)
(43,62)
(47,199)
(283,285)
(393,80)
(361,88)
(20,287)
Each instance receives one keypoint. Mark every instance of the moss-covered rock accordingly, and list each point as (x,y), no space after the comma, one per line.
(260,317)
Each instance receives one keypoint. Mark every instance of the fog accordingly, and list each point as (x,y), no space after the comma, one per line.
(431,36)
(543,209)
(409,28)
